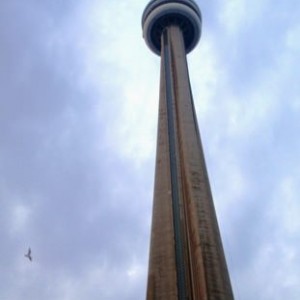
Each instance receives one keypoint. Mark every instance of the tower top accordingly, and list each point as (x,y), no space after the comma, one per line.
(159,14)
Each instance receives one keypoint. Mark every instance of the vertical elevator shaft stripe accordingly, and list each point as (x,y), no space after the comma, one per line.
(180,269)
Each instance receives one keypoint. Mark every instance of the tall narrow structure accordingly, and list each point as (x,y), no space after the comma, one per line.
(187,260)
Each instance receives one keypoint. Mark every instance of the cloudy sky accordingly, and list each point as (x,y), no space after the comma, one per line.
(78,117)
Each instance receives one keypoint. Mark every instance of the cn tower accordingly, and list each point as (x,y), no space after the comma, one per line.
(187,260)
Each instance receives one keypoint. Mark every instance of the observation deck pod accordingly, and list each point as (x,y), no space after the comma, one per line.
(160,14)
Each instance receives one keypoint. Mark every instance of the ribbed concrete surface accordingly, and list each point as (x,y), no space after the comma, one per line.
(205,271)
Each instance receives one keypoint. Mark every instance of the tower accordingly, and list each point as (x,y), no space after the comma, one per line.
(187,260)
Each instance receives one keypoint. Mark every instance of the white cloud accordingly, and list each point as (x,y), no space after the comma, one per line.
(78,108)
(286,207)
(236,15)
(20,217)
(292,40)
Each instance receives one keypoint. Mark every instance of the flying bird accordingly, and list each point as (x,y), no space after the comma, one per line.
(28,254)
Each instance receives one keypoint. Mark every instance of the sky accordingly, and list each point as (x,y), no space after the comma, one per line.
(78,118)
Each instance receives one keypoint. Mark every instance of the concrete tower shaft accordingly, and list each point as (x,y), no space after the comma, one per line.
(159,14)
(187,260)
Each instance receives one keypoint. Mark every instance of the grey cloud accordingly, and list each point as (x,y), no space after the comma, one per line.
(67,191)
(56,162)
